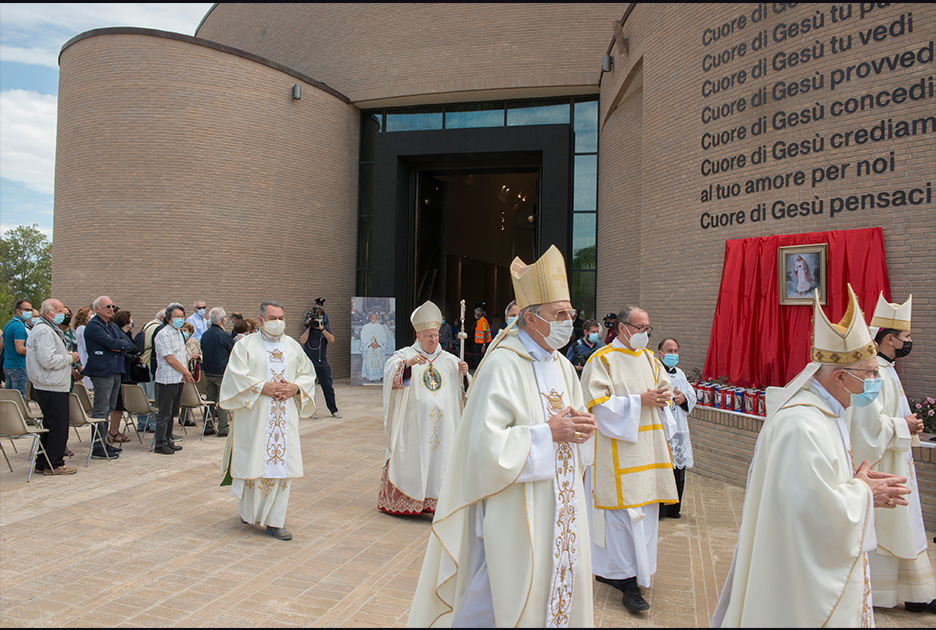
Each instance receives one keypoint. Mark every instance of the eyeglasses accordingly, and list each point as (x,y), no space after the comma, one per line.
(874,373)
(109,307)
(640,329)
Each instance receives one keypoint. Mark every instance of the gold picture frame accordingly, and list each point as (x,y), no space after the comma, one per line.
(801,269)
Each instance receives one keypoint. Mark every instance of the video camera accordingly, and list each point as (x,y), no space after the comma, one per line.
(610,320)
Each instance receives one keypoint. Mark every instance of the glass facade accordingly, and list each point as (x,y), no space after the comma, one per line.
(581,113)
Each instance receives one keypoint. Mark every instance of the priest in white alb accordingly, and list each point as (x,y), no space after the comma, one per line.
(630,393)
(883,433)
(509,544)
(808,519)
(423,396)
(269,384)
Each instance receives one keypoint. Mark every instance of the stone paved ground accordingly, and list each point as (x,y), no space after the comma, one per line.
(151,540)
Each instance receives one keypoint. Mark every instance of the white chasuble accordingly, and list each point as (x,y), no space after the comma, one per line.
(900,568)
(421,415)
(806,526)
(262,449)
(554,399)
(500,537)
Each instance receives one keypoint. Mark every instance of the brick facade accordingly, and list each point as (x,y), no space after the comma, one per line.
(723,447)
(184,172)
(650,179)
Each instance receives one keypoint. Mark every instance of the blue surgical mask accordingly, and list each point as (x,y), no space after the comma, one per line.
(27,315)
(593,337)
(58,318)
(670,360)
(185,335)
(36,320)
(872,387)
(178,322)
(511,320)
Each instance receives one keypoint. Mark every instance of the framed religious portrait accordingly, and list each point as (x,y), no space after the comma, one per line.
(373,338)
(801,269)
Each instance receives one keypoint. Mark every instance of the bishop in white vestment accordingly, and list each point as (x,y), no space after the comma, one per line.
(374,343)
(269,384)
(883,433)
(808,519)
(509,544)
(629,392)
(423,389)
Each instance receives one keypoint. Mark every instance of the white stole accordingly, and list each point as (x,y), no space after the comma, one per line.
(274,465)
(555,398)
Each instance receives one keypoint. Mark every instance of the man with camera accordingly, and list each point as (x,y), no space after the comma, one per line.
(315,339)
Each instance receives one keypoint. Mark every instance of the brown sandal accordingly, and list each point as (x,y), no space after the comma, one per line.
(117,437)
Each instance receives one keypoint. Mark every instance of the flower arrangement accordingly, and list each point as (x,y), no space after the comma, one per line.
(925,410)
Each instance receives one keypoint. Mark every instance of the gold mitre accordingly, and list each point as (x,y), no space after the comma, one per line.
(542,282)
(426,316)
(890,315)
(843,343)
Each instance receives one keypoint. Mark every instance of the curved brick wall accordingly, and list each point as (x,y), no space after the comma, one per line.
(185,172)
(439,52)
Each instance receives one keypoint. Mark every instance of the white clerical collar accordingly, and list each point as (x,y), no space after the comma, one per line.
(836,406)
(420,350)
(536,351)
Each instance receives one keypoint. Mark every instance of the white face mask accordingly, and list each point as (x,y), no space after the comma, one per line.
(274,327)
(559,333)
(638,341)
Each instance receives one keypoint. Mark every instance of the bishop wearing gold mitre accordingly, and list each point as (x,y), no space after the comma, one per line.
(423,396)
(883,433)
(509,544)
(808,519)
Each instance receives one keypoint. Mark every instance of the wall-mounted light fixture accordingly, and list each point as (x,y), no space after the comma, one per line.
(297,91)
(606,62)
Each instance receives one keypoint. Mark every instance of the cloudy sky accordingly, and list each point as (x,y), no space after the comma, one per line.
(31,37)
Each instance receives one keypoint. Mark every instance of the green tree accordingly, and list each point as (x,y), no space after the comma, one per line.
(25,268)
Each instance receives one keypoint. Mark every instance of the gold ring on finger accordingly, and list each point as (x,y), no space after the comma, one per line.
(890,501)
(578,435)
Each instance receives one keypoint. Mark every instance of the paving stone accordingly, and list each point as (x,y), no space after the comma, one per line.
(153,541)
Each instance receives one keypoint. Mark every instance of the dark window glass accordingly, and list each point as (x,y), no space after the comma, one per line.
(583,293)
(370,127)
(518,115)
(585,124)
(585,183)
(366,207)
(415,120)
(364,241)
(583,240)
(361,285)
(474,115)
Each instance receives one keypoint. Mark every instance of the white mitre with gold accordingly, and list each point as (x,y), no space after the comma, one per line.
(426,317)
(844,343)
(890,315)
(542,282)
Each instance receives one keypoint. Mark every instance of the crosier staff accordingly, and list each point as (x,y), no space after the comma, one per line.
(462,335)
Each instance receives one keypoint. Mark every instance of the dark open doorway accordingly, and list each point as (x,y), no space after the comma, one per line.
(470,225)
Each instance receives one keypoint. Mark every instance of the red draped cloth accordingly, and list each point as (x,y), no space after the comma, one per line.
(755,341)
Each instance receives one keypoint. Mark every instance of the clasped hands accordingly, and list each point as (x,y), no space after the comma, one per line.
(656,398)
(914,424)
(886,489)
(573,426)
(279,390)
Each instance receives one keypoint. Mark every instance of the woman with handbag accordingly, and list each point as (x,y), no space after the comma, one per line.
(124,321)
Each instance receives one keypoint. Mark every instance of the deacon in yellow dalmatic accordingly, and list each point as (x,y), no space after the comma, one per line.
(629,393)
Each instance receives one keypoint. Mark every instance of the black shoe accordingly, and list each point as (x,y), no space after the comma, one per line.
(187,423)
(164,450)
(618,584)
(97,453)
(222,433)
(280,533)
(174,447)
(210,431)
(918,607)
(633,599)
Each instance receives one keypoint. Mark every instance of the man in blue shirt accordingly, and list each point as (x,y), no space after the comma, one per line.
(14,347)
(216,345)
(199,319)
(579,352)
